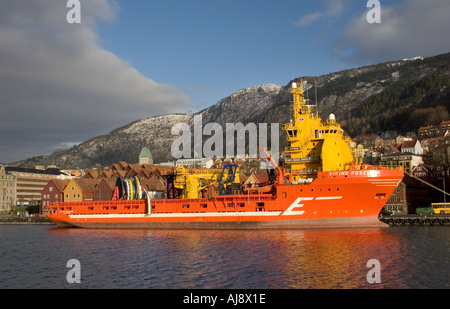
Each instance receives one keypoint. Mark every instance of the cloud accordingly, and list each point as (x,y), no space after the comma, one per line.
(333,9)
(58,85)
(408,29)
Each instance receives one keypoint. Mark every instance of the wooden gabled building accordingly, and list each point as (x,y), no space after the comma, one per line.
(105,189)
(73,192)
(155,187)
(53,192)
(87,187)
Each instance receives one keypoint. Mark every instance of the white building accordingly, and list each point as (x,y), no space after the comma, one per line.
(171,163)
(408,161)
(195,163)
(414,147)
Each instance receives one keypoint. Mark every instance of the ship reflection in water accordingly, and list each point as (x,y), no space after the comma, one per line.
(338,259)
(334,258)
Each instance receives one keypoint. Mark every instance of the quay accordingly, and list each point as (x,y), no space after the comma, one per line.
(24,220)
(392,220)
(418,220)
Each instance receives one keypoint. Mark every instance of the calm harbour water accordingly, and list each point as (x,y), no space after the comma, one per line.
(35,256)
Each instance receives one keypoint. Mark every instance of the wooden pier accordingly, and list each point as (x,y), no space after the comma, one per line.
(416,220)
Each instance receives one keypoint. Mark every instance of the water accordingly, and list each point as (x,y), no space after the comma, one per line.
(35,256)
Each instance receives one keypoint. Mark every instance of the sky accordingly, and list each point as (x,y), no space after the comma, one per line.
(63,83)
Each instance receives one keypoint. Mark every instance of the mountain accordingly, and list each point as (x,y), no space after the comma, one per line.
(397,95)
(125,143)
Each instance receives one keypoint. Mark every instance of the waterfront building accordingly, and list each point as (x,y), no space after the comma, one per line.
(30,183)
(104,189)
(73,192)
(87,187)
(53,192)
(397,203)
(154,187)
(7,190)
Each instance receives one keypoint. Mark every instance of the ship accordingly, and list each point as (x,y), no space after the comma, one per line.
(320,184)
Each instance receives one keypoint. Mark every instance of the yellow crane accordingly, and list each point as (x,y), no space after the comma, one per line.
(192,181)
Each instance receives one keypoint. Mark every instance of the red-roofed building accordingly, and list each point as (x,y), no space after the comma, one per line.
(428,131)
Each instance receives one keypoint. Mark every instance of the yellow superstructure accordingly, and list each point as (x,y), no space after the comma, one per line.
(193,181)
(315,146)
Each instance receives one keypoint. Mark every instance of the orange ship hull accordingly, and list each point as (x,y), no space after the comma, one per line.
(333,199)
